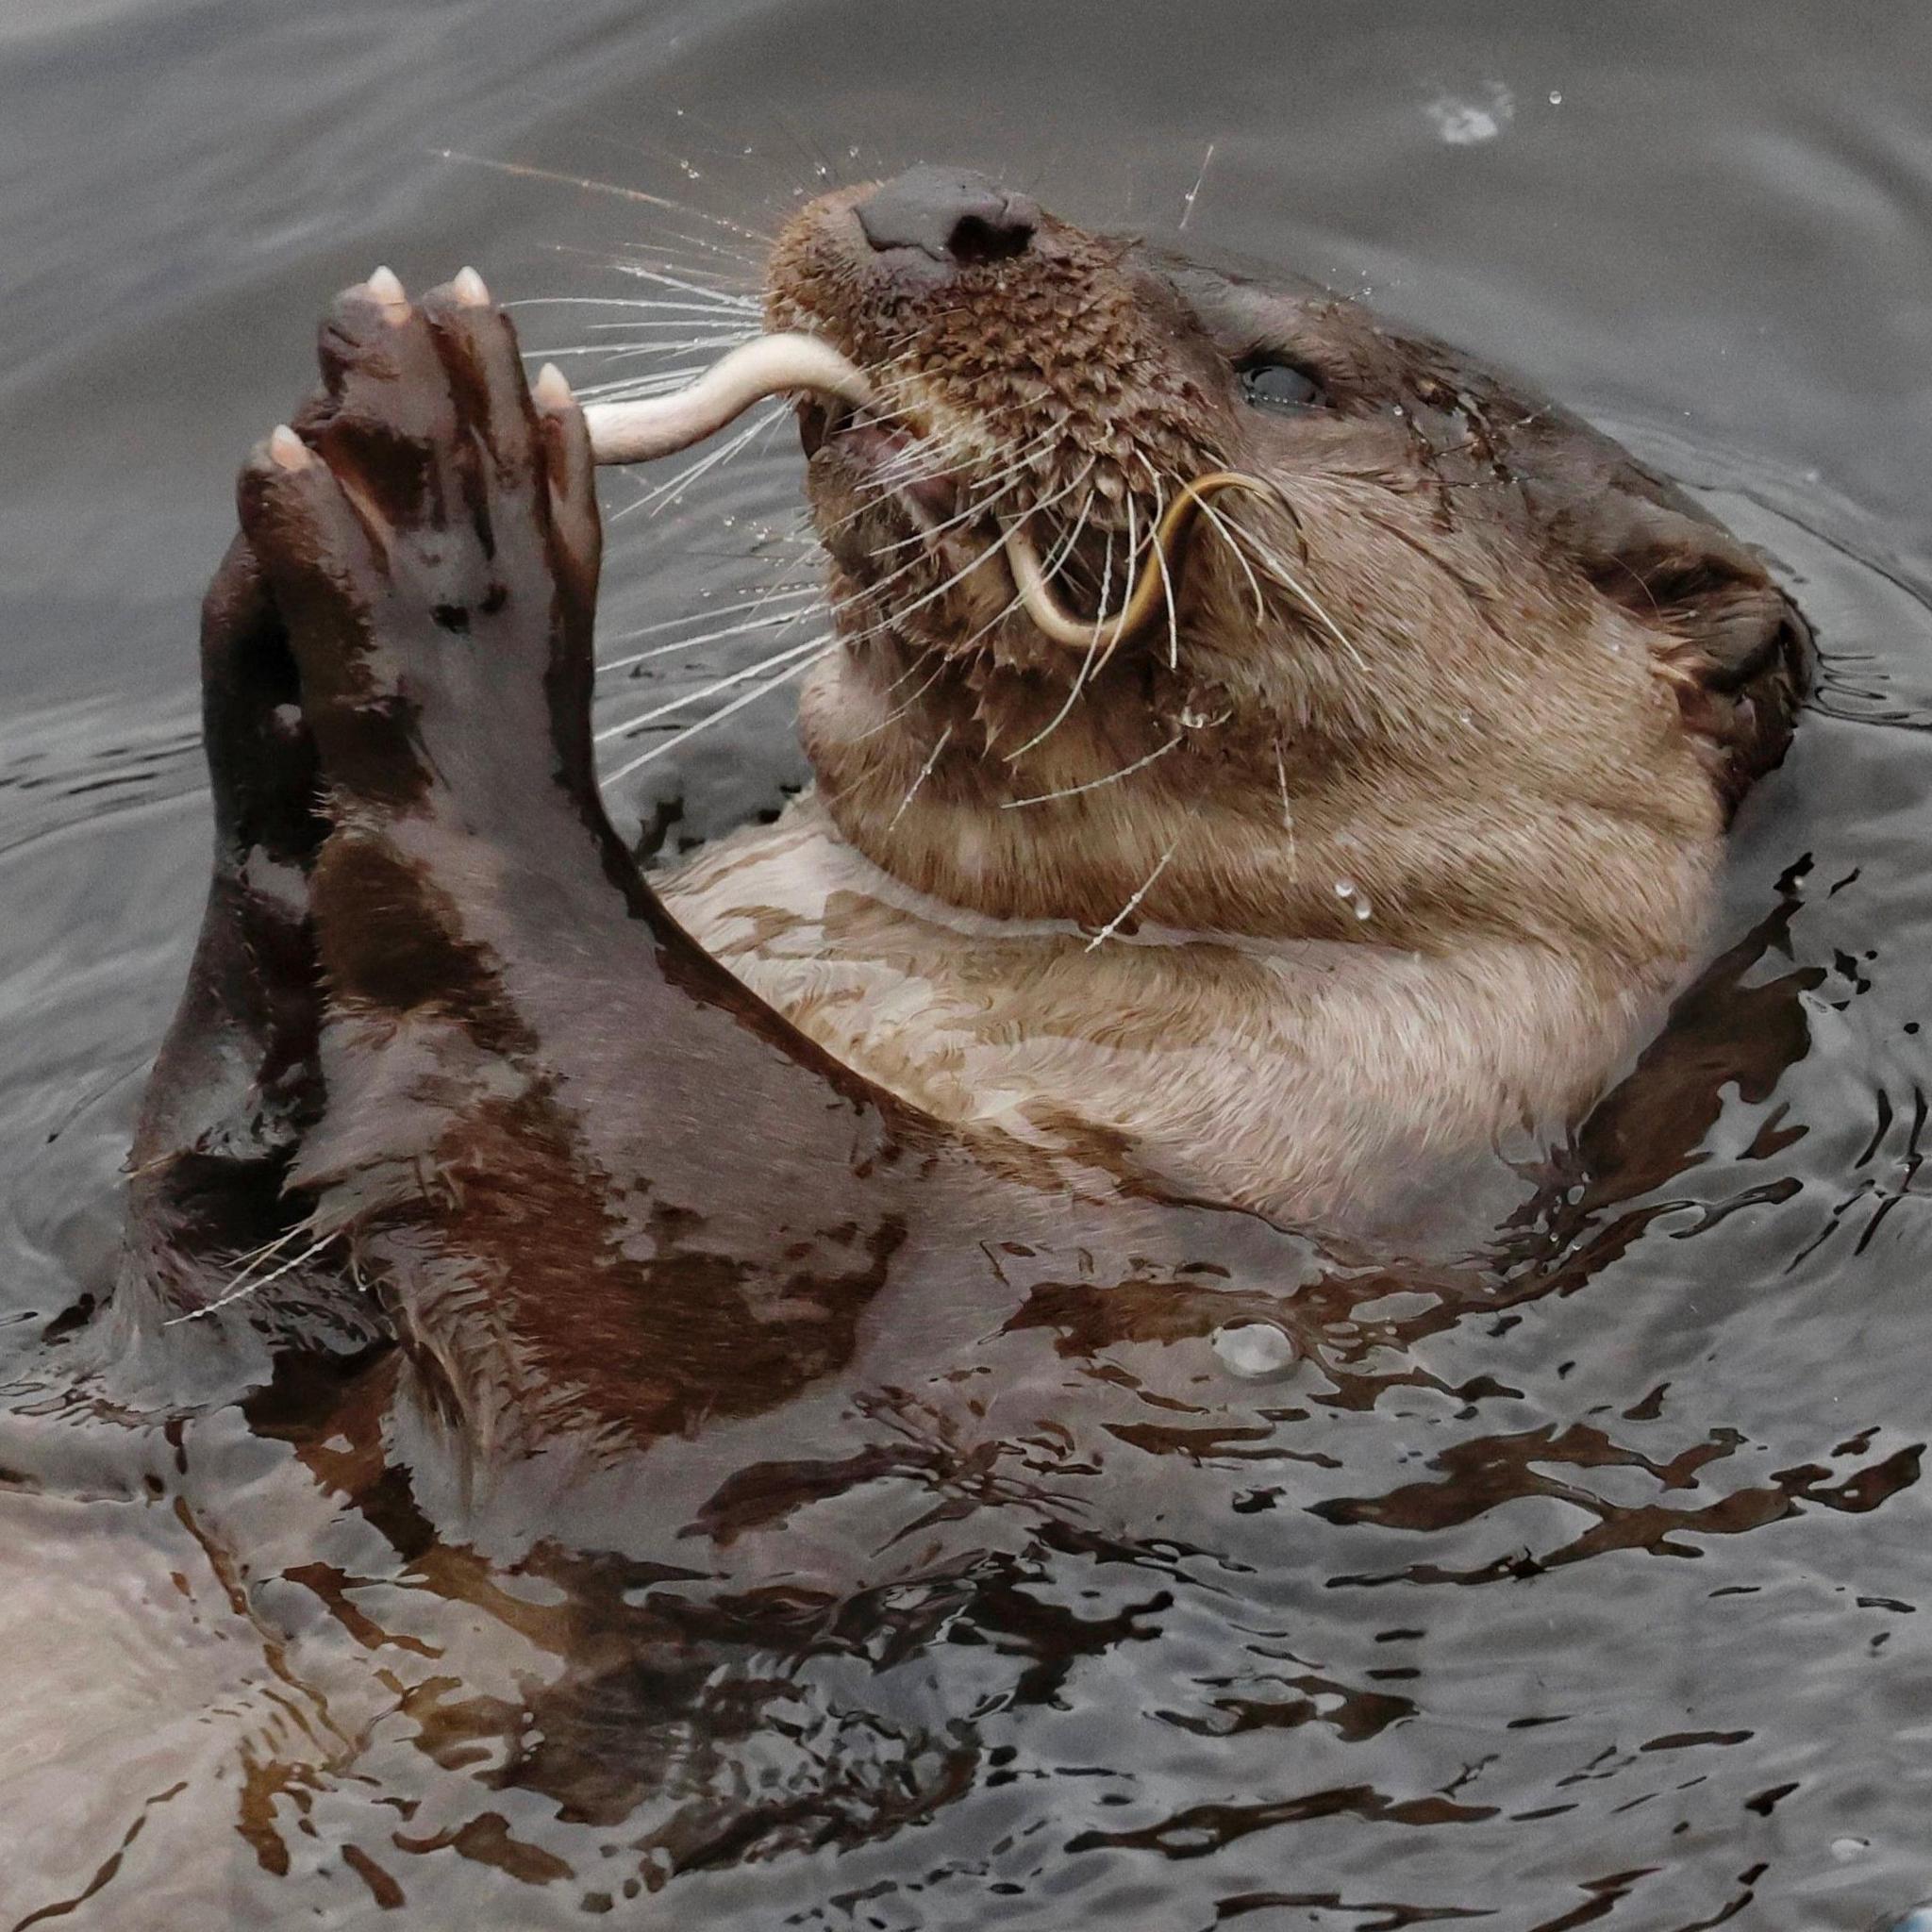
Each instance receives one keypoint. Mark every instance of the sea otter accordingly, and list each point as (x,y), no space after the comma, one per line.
(1387,825)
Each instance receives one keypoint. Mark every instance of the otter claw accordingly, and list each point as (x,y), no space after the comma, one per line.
(387,291)
(468,287)
(287,449)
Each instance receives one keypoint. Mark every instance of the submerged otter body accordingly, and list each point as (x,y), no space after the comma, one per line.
(1386,838)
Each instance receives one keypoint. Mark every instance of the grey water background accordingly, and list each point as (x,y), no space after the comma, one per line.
(1606,1613)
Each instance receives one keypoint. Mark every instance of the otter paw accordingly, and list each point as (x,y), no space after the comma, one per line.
(429,530)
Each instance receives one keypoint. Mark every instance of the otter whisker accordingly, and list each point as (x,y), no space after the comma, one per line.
(1222,528)
(758,603)
(925,773)
(251,1258)
(627,727)
(526,172)
(992,623)
(1069,540)
(240,1288)
(1019,455)
(1187,199)
(944,454)
(932,465)
(698,253)
(728,273)
(939,671)
(741,332)
(681,282)
(743,327)
(1280,571)
(1139,764)
(654,384)
(1086,669)
(665,494)
(926,535)
(960,439)
(1012,605)
(925,457)
(1157,554)
(873,591)
(778,620)
(737,704)
(712,304)
(1067,704)
(971,564)
(1127,911)
(631,352)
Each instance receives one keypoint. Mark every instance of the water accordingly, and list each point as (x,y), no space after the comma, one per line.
(1578,1584)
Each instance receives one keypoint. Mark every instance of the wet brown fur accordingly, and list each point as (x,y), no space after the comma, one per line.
(1502,689)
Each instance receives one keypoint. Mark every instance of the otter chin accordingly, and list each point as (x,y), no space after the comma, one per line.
(1293,864)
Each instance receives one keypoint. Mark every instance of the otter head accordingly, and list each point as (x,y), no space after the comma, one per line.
(1207,597)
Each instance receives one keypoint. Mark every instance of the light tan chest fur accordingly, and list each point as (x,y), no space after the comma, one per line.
(1306,1078)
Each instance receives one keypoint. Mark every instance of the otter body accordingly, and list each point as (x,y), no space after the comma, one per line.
(1384,840)
(1307,1078)
(1383,836)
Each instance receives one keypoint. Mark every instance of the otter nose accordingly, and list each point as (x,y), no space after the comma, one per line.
(953,217)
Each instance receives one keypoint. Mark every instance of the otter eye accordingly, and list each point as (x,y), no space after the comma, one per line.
(1281,386)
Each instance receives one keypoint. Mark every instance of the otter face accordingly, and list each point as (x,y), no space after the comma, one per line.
(1446,664)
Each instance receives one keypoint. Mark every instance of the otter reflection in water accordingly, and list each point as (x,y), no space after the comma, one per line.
(1381,833)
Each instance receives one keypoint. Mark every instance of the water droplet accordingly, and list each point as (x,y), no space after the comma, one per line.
(1254,1351)
(1354,897)
(1556,97)
(1846,1848)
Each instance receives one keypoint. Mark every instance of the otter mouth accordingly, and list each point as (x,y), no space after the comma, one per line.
(882,455)
(840,410)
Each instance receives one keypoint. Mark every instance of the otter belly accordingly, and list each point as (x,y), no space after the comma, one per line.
(1310,1078)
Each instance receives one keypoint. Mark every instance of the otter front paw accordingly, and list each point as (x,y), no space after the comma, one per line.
(429,532)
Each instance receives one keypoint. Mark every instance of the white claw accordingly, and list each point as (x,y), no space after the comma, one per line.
(552,388)
(287,449)
(467,289)
(385,290)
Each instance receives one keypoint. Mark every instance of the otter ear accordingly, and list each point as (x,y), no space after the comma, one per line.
(1731,644)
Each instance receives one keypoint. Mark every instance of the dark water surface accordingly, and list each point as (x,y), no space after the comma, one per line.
(1582,1584)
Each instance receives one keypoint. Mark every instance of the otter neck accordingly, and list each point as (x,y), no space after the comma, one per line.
(976,783)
